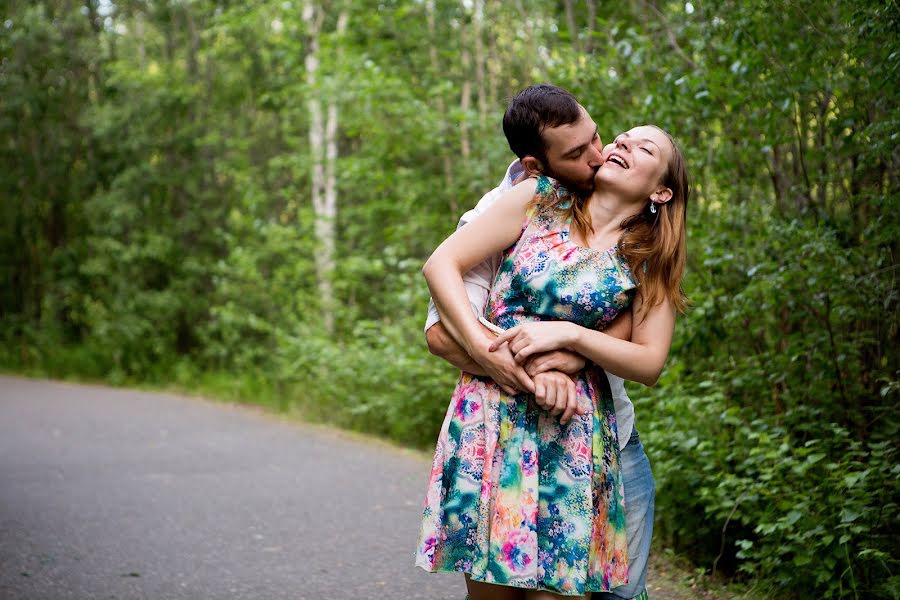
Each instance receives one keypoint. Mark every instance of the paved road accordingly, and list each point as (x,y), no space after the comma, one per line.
(118,494)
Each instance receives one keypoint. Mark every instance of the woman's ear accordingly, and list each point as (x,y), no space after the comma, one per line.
(532,165)
(661,196)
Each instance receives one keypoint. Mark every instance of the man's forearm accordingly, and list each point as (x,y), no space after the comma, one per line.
(621,326)
(442,344)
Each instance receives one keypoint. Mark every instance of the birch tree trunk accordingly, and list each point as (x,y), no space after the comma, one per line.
(465,100)
(139,30)
(324,213)
(323,128)
(493,65)
(478,33)
(573,28)
(441,104)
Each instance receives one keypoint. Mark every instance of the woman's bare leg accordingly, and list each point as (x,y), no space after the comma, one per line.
(489,591)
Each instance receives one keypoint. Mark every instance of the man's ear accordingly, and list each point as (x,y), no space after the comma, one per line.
(662,195)
(532,165)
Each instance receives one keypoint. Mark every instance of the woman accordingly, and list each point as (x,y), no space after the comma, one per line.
(528,505)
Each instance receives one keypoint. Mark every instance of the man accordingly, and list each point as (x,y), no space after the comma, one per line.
(553,134)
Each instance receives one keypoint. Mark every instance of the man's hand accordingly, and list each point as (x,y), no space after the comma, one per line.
(557,360)
(555,391)
(442,344)
(501,366)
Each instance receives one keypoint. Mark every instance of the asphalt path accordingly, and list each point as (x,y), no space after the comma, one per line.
(119,494)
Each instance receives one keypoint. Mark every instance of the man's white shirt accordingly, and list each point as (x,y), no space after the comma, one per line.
(478,286)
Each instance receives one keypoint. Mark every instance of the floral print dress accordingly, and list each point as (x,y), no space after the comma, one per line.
(515,498)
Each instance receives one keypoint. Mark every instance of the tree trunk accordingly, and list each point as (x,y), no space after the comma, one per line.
(465,100)
(573,27)
(323,157)
(139,32)
(446,161)
(491,16)
(591,23)
(193,44)
(478,33)
(821,145)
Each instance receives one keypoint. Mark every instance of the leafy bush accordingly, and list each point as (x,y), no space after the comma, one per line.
(381,381)
(773,446)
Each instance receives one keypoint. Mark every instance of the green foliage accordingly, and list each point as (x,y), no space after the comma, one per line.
(378,381)
(157,229)
(771,425)
(816,515)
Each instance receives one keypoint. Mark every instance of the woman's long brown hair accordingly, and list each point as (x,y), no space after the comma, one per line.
(654,245)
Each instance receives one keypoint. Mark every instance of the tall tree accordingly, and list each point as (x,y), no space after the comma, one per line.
(323,130)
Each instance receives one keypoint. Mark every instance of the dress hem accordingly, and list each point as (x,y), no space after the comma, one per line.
(521,587)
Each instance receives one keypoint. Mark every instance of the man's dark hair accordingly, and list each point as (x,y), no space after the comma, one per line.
(531,111)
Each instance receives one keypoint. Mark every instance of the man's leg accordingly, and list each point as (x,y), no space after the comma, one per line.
(639,492)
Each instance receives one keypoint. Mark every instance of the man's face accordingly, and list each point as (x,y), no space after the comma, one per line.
(574,153)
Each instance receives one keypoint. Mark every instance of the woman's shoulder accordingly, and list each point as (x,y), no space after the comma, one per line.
(546,185)
(551,193)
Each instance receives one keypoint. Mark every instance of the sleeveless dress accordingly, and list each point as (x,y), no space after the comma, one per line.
(515,498)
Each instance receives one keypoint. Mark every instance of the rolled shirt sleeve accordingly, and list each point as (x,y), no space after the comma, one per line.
(478,281)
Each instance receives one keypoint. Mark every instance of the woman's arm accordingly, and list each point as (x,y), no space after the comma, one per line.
(642,359)
(497,229)
(571,362)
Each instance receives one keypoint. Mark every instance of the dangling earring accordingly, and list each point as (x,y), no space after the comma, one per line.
(653,207)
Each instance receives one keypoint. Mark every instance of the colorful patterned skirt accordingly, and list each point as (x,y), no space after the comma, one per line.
(515,498)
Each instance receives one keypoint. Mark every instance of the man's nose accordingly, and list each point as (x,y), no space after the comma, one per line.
(596,157)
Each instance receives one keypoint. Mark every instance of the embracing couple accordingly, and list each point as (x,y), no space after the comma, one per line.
(564,280)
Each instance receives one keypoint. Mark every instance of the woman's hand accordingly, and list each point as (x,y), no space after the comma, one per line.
(556,360)
(528,339)
(555,392)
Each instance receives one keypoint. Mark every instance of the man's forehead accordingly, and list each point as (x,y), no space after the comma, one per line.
(571,134)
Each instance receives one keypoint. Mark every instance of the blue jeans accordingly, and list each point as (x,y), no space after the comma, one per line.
(639,492)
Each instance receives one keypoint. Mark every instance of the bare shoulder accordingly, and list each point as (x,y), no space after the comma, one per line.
(516,199)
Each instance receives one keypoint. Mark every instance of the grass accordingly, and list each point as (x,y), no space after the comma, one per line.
(672,577)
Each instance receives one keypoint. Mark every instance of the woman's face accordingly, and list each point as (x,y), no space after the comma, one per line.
(635,163)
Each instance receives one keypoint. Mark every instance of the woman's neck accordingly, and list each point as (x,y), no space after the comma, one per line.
(608,211)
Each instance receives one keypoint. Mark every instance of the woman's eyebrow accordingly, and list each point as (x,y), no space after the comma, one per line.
(644,140)
(626,134)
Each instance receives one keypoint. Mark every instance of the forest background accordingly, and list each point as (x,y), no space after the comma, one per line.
(237,197)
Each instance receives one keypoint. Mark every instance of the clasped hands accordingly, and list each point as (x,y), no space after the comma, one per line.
(531,358)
